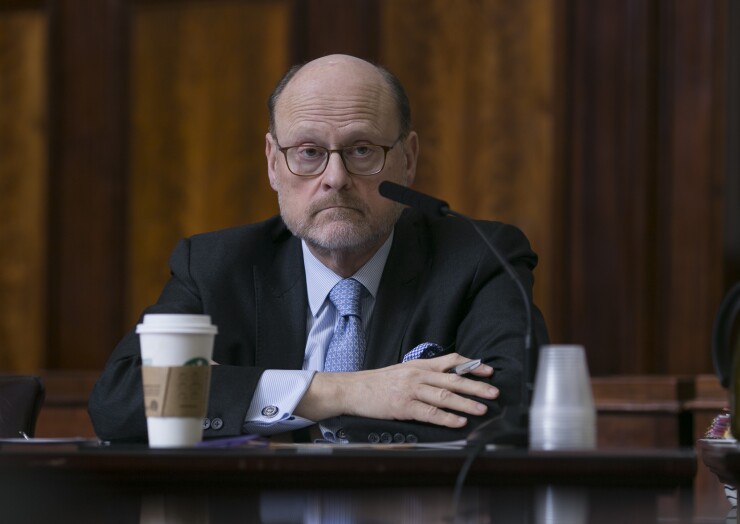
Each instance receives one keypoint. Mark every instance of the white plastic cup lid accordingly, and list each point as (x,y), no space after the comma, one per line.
(176,323)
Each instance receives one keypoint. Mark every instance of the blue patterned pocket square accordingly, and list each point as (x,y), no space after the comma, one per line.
(424,350)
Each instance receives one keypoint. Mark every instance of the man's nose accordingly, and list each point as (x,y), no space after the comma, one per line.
(335,175)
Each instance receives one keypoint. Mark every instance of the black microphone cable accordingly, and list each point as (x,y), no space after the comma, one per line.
(498,428)
(478,437)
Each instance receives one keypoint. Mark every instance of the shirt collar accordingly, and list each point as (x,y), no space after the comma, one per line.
(320,279)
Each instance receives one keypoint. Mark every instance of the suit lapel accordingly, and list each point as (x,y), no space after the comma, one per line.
(281,302)
(397,295)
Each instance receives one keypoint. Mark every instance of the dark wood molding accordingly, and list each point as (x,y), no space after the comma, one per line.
(322,27)
(610,228)
(88,151)
(732,144)
(690,168)
(643,254)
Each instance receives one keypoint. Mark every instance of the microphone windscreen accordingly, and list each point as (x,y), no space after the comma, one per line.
(409,197)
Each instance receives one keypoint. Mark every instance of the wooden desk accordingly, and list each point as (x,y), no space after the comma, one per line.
(722,457)
(265,485)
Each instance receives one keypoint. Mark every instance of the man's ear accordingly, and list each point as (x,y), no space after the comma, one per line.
(271,152)
(411,155)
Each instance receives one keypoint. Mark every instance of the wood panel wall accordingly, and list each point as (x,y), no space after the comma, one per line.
(644,175)
(88,43)
(596,127)
(483,102)
(200,76)
(23,189)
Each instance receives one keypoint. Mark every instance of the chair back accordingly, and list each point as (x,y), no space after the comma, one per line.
(21,397)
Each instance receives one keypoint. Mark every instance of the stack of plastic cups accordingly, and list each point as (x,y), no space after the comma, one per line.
(562,415)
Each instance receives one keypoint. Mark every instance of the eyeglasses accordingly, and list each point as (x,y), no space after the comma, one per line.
(361,159)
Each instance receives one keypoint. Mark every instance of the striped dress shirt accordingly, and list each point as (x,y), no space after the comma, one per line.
(279,391)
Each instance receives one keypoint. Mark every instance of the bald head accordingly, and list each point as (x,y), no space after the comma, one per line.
(336,73)
(337,66)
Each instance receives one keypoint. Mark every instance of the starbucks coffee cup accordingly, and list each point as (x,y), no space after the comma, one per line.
(176,351)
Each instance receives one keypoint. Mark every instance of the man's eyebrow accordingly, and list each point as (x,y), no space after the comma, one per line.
(360,139)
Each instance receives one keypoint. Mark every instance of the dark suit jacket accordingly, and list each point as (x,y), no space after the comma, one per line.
(441,284)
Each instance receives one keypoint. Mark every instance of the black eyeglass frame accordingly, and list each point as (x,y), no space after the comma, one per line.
(386,149)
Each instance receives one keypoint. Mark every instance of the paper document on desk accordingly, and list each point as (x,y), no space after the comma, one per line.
(77,442)
(60,440)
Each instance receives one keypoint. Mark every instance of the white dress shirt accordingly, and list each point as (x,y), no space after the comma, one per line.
(279,391)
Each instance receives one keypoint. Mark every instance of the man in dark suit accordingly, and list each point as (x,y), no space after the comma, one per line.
(338,127)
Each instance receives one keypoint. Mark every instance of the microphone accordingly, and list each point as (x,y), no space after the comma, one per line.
(512,425)
(420,201)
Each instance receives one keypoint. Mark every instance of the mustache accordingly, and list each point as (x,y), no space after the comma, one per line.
(337,201)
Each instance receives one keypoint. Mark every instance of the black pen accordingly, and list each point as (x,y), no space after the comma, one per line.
(465,368)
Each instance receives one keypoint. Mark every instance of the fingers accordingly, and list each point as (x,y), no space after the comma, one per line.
(458,384)
(438,392)
(447,393)
(447,362)
(484,370)
(433,415)
(444,399)
(432,405)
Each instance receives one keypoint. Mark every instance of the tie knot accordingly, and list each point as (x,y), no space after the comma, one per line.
(345,296)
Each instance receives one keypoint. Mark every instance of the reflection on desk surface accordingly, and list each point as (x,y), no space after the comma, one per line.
(135,484)
(516,504)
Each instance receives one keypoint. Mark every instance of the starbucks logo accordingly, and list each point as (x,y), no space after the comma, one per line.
(198,361)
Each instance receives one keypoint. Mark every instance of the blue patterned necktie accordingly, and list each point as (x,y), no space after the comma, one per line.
(347,347)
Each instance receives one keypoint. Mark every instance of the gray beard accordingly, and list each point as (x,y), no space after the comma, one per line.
(350,235)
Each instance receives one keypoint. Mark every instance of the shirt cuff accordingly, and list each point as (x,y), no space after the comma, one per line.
(276,397)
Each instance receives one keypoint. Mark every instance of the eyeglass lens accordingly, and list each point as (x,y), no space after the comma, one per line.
(366,159)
